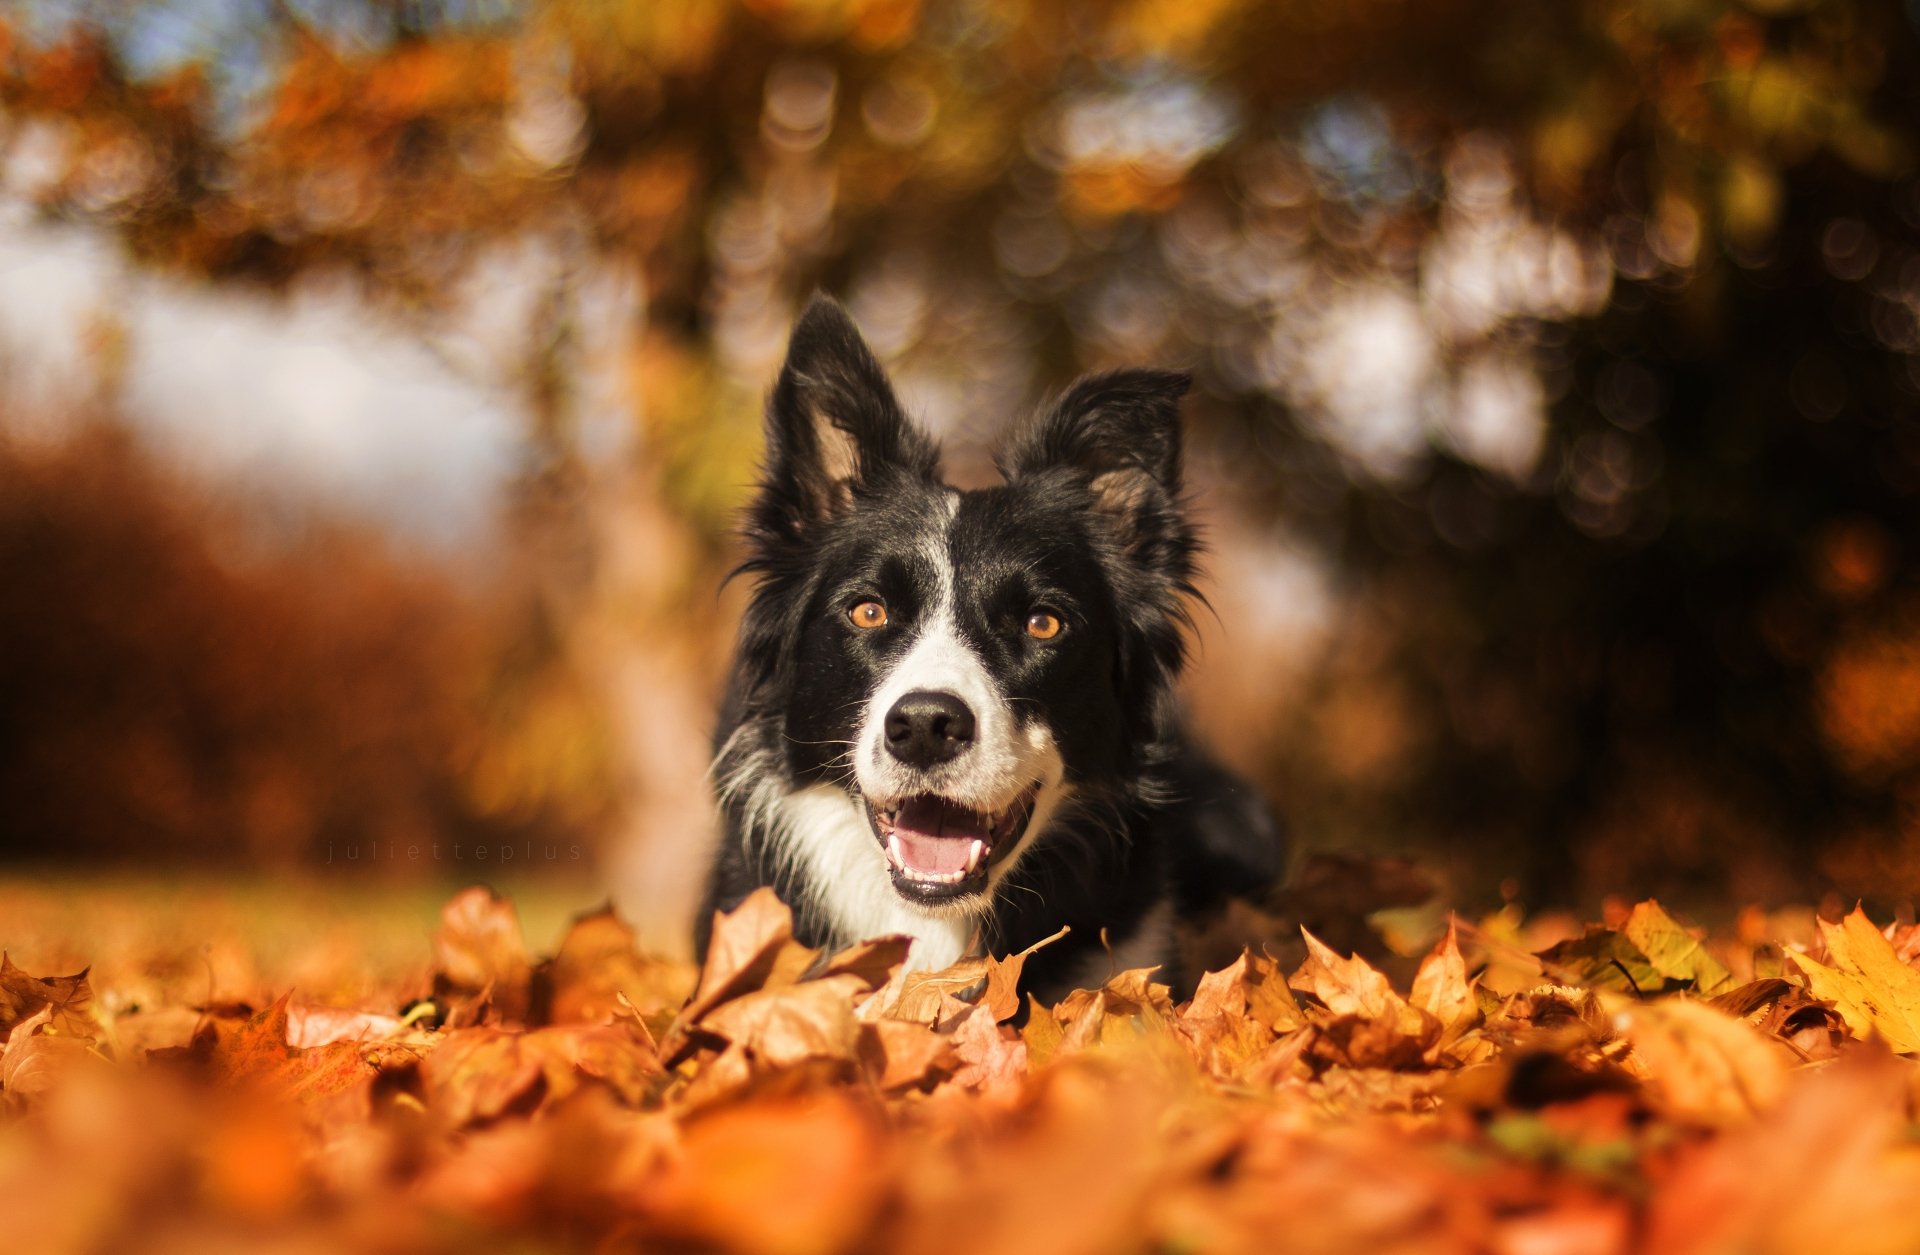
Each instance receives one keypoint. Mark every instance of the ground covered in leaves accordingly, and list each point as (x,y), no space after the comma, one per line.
(1635,1087)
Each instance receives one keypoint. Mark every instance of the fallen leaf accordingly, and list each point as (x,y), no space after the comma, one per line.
(900,1055)
(1002,995)
(483,1074)
(752,947)
(1041,1032)
(1602,959)
(1249,986)
(69,997)
(1673,951)
(1370,1025)
(875,961)
(478,950)
(993,1060)
(1831,1168)
(1872,989)
(927,997)
(802,1176)
(309,1026)
(36,1056)
(780,1027)
(1703,1064)
(1442,990)
(260,1052)
(597,965)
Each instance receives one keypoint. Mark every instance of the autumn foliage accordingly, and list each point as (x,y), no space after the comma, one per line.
(1634,1088)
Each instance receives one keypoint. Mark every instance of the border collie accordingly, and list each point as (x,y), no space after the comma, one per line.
(951,712)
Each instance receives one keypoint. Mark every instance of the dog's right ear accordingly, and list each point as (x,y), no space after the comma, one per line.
(835,430)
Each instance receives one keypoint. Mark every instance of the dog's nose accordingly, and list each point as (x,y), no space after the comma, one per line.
(925,728)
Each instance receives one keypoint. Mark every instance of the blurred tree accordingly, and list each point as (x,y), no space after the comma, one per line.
(1583,340)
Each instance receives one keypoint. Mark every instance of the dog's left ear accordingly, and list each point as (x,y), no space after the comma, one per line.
(834,427)
(1118,436)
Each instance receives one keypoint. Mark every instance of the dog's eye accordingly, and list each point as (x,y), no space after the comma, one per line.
(868,614)
(1043,625)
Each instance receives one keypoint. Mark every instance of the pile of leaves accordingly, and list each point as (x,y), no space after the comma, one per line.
(1633,1088)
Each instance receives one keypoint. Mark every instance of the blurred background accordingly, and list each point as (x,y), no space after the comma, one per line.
(378,381)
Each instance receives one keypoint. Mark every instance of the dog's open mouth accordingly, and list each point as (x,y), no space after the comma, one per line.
(938,849)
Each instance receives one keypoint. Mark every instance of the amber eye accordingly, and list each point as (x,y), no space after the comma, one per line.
(1043,625)
(868,614)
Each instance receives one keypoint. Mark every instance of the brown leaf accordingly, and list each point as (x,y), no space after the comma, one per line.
(1441,987)
(481,1074)
(926,997)
(780,1027)
(36,1056)
(1371,1025)
(478,950)
(1673,951)
(597,965)
(875,961)
(259,1052)
(1002,996)
(1830,1168)
(752,947)
(70,997)
(1345,986)
(798,1176)
(1249,986)
(1703,1064)
(1129,1004)
(1041,1032)
(992,1059)
(901,1055)
(1743,1000)
(1871,987)
(309,1026)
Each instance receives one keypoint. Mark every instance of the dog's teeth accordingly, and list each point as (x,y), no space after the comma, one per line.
(893,852)
(973,856)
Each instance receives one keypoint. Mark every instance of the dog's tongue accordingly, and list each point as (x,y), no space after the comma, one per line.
(935,837)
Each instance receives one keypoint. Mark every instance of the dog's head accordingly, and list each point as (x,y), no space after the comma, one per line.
(970,667)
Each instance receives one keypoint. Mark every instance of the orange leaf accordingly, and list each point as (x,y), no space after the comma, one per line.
(70,997)
(1441,988)
(752,947)
(478,948)
(598,964)
(811,1020)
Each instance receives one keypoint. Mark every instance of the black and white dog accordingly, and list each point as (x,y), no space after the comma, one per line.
(951,712)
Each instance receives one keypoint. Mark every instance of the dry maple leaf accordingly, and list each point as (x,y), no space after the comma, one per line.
(478,951)
(1673,951)
(934,998)
(596,966)
(875,961)
(36,1056)
(260,1052)
(781,1027)
(1441,989)
(1830,1169)
(752,947)
(899,1055)
(1369,1025)
(309,1026)
(1128,1005)
(481,1074)
(993,1060)
(1869,985)
(1702,1064)
(69,997)
(797,1176)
